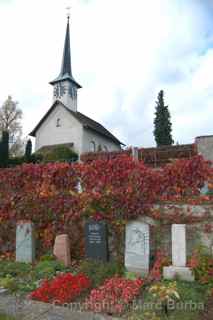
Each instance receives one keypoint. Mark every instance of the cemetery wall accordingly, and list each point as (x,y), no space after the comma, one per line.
(197,232)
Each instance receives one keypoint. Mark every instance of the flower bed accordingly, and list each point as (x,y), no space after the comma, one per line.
(114,295)
(61,289)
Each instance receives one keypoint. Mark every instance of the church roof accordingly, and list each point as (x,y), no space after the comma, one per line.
(66,69)
(87,123)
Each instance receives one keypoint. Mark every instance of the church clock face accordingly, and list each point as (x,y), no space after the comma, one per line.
(59,91)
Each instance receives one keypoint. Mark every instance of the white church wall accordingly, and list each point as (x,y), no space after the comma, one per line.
(91,139)
(69,130)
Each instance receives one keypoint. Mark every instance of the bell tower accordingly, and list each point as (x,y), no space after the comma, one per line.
(64,86)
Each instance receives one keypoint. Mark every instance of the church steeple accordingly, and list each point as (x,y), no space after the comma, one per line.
(66,61)
(65,86)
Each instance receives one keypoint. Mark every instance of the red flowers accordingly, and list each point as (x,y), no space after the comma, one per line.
(114,295)
(63,288)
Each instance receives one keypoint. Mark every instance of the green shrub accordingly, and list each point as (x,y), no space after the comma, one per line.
(98,271)
(47,257)
(201,263)
(48,269)
(14,269)
(59,153)
(17,161)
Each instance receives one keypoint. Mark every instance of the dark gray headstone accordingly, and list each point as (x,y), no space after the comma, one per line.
(96,240)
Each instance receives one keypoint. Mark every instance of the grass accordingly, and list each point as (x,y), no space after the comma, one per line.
(4,317)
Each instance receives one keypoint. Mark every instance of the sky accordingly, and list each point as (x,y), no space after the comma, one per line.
(123,53)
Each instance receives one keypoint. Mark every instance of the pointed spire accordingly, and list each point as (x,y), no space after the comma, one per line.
(66,68)
(66,61)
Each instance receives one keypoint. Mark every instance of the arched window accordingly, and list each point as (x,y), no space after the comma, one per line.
(92,146)
(58,122)
(105,148)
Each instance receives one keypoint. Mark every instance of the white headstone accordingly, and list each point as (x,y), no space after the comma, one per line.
(178,268)
(25,244)
(179,245)
(137,248)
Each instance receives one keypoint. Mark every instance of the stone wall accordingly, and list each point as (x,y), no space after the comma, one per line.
(197,233)
(160,233)
(205,146)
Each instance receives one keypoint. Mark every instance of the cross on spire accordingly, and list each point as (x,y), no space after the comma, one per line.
(68,12)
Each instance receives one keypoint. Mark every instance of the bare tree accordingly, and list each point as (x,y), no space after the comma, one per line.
(10,121)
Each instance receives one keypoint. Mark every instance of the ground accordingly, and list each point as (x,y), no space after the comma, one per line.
(208,313)
(22,279)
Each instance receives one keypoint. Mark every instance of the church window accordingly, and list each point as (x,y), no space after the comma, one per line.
(92,146)
(58,122)
(105,148)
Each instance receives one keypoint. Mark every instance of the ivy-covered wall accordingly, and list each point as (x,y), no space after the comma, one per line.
(117,190)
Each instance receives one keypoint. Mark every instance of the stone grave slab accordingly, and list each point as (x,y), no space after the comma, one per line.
(179,245)
(178,268)
(96,240)
(25,242)
(61,249)
(137,247)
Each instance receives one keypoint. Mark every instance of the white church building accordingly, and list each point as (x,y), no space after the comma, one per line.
(63,124)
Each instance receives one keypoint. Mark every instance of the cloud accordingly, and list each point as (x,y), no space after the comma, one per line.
(123,53)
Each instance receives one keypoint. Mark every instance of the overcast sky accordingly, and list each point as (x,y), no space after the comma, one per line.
(123,53)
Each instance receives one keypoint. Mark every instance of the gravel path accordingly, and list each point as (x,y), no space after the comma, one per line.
(32,310)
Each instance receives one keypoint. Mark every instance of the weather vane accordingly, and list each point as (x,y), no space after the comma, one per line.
(68,12)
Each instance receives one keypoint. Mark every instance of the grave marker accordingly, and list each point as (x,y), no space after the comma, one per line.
(25,243)
(178,268)
(96,240)
(137,248)
(61,249)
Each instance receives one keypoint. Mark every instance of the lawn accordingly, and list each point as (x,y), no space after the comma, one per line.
(4,317)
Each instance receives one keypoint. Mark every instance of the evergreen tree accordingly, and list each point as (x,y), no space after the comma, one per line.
(28,150)
(162,123)
(4,149)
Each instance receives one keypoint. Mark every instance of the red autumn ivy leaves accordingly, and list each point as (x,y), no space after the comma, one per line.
(118,189)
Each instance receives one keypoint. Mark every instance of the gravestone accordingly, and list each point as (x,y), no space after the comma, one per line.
(96,240)
(137,247)
(178,268)
(61,249)
(179,245)
(25,243)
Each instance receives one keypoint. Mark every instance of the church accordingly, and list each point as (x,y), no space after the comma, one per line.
(63,124)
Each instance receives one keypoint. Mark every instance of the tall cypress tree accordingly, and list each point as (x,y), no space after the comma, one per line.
(28,150)
(4,149)
(162,123)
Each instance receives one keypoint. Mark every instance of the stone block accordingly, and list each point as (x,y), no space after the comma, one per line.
(61,249)
(182,273)
(179,245)
(96,240)
(25,242)
(137,247)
